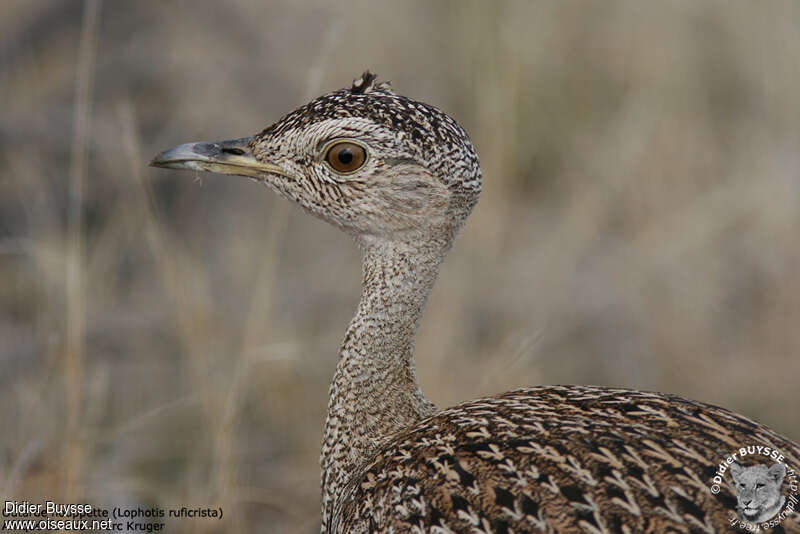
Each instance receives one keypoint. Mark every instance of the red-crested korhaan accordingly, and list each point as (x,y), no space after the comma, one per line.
(401,177)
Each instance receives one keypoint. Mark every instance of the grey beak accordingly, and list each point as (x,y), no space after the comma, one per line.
(234,156)
(193,155)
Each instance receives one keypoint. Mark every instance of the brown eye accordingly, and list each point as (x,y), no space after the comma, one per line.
(346,157)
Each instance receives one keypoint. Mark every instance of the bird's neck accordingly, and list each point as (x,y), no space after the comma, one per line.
(375,392)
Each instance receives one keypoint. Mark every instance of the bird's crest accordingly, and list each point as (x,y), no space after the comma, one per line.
(367,83)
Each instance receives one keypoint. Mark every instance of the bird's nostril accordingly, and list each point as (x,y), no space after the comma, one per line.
(233,151)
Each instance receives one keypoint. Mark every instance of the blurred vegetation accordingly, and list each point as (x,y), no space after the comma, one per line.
(168,340)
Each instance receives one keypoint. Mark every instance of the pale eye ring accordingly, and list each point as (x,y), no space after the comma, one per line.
(345,157)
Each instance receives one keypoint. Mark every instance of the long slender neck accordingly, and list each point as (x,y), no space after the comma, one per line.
(375,392)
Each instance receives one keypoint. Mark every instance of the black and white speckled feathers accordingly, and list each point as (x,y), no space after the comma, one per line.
(426,133)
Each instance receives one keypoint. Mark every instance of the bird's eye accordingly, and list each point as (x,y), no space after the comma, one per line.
(346,157)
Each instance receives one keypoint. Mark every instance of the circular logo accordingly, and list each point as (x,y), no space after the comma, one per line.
(766,488)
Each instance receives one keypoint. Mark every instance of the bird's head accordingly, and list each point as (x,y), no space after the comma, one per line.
(374,163)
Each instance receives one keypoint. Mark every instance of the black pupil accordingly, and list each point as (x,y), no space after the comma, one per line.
(345,156)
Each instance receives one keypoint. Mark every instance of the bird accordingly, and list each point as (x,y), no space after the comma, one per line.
(401,177)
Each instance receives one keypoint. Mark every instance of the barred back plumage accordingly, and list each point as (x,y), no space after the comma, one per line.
(401,177)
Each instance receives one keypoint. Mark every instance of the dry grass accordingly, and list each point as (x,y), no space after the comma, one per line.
(172,343)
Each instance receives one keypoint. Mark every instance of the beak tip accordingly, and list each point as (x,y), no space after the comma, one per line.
(159,160)
(176,157)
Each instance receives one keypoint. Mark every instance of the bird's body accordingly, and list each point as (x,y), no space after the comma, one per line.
(558,459)
(402,177)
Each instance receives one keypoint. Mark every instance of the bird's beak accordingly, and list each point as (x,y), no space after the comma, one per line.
(234,156)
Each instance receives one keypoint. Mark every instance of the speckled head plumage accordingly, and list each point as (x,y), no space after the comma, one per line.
(420,175)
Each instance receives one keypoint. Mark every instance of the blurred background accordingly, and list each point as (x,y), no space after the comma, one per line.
(168,339)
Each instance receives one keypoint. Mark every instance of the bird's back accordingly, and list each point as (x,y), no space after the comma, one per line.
(559,459)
